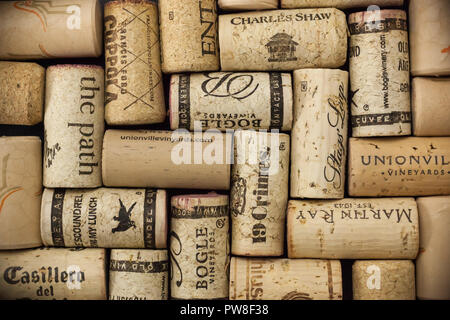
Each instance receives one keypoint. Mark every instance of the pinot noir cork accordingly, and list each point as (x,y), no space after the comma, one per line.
(341,4)
(21,93)
(385,228)
(319,135)
(283,39)
(383,280)
(226,100)
(74,126)
(285,279)
(188,36)
(138,275)
(399,167)
(199,247)
(104,218)
(53,274)
(166,159)
(259,193)
(379,73)
(20,192)
(134,87)
(432,272)
(50,29)
(238,5)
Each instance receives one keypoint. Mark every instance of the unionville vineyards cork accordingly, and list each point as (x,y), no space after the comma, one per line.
(104,218)
(73,126)
(237,5)
(226,100)
(50,29)
(199,246)
(283,39)
(341,4)
(319,135)
(379,73)
(259,193)
(134,88)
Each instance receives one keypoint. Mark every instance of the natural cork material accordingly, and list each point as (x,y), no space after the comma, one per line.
(319,135)
(259,193)
(238,5)
(385,228)
(21,93)
(199,247)
(341,4)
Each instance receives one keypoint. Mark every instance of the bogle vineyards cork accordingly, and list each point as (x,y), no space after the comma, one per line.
(104,218)
(283,39)
(134,87)
(53,274)
(319,135)
(226,100)
(285,279)
(259,193)
(138,274)
(73,126)
(199,247)
(341,4)
(386,228)
(379,73)
(399,167)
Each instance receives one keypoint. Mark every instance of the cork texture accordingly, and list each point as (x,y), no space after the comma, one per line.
(188,36)
(226,100)
(20,192)
(138,275)
(259,193)
(199,247)
(399,167)
(104,218)
(285,279)
(383,280)
(379,73)
(21,93)
(53,274)
(319,135)
(341,4)
(385,228)
(283,40)
(237,5)
(42,29)
(73,126)
(134,87)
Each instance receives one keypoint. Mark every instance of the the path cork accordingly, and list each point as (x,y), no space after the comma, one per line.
(241,5)
(341,4)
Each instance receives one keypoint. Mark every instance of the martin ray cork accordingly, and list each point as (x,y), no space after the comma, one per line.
(104,218)
(341,4)
(238,5)
(319,134)
(385,228)
(283,39)
(199,247)
(226,100)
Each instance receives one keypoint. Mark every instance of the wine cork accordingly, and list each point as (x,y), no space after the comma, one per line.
(21,93)
(104,218)
(341,4)
(134,88)
(383,280)
(431,106)
(319,135)
(430,37)
(283,40)
(74,126)
(432,273)
(188,36)
(379,73)
(259,193)
(53,274)
(399,167)
(166,159)
(225,100)
(285,279)
(43,29)
(138,275)
(385,228)
(199,247)
(238,5)
(20,192)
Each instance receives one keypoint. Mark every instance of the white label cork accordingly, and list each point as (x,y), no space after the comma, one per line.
(226,100)
(341,4)
(238,5)
(319,135)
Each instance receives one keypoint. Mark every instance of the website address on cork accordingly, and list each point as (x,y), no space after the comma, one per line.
(224,310)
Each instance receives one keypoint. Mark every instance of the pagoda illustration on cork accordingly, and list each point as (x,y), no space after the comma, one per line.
(281,48)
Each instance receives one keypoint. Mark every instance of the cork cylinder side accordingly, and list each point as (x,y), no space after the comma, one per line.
(241,5)
(341,4)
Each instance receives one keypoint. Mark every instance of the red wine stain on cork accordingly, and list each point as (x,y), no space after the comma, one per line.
(446,50)
(8,195)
